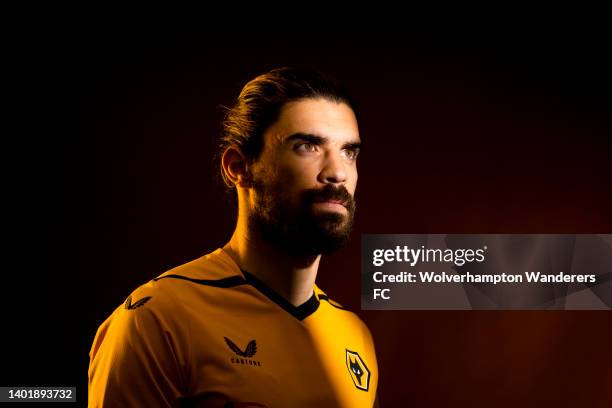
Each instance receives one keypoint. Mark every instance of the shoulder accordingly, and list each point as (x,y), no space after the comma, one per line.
(167,295)
(342,316)
(144,314)
(148,307)
(181,285)
(323,297)
(215,269)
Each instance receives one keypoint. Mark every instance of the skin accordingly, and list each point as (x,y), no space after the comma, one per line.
(297,164)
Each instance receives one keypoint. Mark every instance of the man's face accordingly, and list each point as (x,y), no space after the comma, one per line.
(305,178)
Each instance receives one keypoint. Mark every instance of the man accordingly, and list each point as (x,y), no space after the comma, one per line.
(246,325)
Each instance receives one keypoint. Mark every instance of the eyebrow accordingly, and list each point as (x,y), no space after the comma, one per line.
(320,140)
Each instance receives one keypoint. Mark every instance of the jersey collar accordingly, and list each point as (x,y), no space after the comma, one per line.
(300,312)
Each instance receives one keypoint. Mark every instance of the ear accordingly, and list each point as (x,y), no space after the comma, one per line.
(235,167)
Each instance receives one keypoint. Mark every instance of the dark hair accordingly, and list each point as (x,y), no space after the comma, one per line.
(260,101)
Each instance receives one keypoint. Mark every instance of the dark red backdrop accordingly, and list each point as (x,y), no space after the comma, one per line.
(489,136)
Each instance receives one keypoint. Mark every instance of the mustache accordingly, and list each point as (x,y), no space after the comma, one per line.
(330,193)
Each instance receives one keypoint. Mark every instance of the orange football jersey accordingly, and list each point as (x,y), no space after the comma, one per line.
(209,334)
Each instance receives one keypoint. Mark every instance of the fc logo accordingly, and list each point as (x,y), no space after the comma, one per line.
(358,370)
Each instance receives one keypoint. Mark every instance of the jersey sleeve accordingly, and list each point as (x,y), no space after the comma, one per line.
(369,341)
(136,359)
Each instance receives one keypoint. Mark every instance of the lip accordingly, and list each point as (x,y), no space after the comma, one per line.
(332,201)
(335,205)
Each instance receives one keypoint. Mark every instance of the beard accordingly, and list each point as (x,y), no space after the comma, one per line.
(301,231)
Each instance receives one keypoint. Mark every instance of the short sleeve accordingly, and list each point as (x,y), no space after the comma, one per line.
(371,355)
(136,358)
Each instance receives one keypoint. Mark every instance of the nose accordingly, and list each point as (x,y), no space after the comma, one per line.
(333,170)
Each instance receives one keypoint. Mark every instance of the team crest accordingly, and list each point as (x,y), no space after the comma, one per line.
(358,370)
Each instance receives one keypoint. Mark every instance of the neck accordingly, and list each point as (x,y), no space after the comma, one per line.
(291,277)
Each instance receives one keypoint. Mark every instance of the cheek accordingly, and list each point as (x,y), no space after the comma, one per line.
(351,185)
(298,175)
(286,183)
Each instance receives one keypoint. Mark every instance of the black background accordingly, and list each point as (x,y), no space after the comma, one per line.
(487,131)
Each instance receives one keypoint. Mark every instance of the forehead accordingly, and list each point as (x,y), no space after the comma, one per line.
(335,121)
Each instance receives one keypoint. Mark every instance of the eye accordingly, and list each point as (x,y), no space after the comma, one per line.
(351,154)
(306,147)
